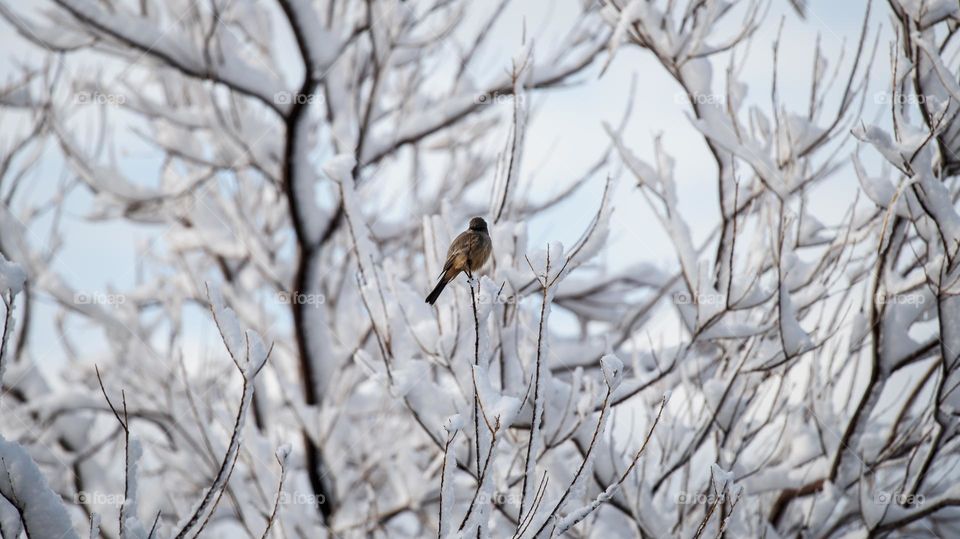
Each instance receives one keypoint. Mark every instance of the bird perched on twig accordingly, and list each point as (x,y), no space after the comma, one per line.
(468,252)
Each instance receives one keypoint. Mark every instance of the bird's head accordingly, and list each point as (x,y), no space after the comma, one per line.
(478,224)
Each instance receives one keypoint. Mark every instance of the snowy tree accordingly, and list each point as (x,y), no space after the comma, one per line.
(308,163)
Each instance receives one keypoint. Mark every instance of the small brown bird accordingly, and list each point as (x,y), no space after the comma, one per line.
(468,252)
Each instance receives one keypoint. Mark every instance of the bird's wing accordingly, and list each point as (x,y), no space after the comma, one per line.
(459,244)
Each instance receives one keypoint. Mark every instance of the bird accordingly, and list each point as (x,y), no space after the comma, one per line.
(468,252)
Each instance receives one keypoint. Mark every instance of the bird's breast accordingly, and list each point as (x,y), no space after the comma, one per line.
(484,246)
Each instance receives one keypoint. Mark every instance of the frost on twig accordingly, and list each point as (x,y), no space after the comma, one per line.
(24,488)
(249,355)
(130,525)
(508,171)
(545,274)
(579,514)
(282,454)
(11,283)
(447,492)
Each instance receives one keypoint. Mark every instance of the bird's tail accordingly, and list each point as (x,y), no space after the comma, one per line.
(436,291)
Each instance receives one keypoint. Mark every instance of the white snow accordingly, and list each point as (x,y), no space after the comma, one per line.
(612,369)
(12,276)
(41,510)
